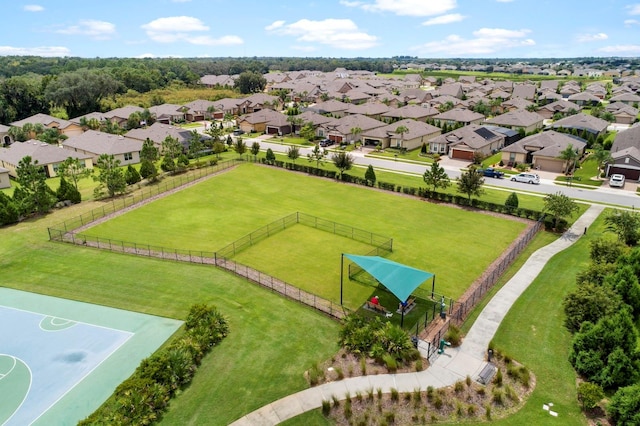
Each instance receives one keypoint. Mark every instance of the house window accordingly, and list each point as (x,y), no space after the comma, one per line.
(128,156)
(512,156)
(626,160)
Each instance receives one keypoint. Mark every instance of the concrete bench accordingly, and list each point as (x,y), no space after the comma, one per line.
(487,373)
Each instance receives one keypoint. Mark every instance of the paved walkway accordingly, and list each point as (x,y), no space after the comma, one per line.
(456,364)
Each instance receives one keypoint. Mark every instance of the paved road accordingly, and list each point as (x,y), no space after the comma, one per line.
(603,194)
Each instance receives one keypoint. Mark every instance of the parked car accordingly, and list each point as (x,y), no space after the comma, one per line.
(526,178)
(326,142)
(491,172)
(616,181)
(238,132)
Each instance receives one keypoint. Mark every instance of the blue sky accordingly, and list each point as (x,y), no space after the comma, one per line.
(328,28)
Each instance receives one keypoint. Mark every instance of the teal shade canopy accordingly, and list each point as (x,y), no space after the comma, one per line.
(401,280)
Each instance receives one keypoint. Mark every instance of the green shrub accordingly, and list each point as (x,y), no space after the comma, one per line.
(430,391)
(394,394)
(326,408)
(590,395)
(498,379)
(471,410)
(390,362)
(511,393)
(453,335)
(458,387)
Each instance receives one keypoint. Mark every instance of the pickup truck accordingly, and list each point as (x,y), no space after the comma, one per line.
(491,172)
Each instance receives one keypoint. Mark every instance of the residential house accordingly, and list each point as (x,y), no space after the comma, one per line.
(65,127)
(460,116)
(416,112)
(438,101)
(340,130)
(465,142)
(120,116)
(623,113)
(561,107)
(218,80)
(265,120)
(516,103)
(48,156)
(583,122)
(94,143)
(259,101)
(524,91)
(417,133)
(518,119)
(453,89)
(418,96)
(158,132)
(625,152)
(5,137)
(584,99)
(199,110)
(626,98)
(370,109)
(5,181)
(331,107)
(168,113)
(542,150)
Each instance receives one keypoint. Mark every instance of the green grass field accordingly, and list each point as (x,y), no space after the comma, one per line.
(427,236)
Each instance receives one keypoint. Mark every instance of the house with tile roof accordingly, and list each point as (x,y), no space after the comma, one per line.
(460,116)
(417,133)
(518,119)
(168,113)
(339,130)
(94,143)
(561,107)
(582,122)
(265,120)
(158,132)
(542,150)
(65,127)
(48,156)
(463,143)
(625,153)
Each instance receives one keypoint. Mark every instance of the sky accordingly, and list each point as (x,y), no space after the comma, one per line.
(322,28)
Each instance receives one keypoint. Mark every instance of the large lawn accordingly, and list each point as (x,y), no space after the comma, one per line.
(432,237)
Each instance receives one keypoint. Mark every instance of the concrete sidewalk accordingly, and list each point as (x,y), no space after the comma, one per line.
(446,369)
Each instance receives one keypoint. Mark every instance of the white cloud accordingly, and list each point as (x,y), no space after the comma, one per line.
(585,38)
(630,22)
(633,9)
(180,28)
(630,49)
(33,8)
(406,7)
(486,41)
(274,25)
(444,19)
(337,33)
(99,30)
(34,51)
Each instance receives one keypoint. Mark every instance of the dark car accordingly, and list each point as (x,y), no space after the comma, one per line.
(491,172)
(238,132)
(326,142)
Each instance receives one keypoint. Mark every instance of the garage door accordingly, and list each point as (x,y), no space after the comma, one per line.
(272,130)
(462,155)
(336,139)
(549,165)
(629,174)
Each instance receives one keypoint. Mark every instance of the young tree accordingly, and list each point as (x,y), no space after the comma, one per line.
(401,130)
(590,395)
(343,161)
(625,224)
(149,151)
(436,177)
(318,155)
(148,170)
(270,156)
(559,205)
(308,131)
(601,156)
(218,148)
(589,302)
(73,170)
(195,146)
(240,147)
(255,150)
(470,183)
(110,176)
(570,155)
(370,176)
(624,408)
(355,132)
(132,176)
(182,163)
(293,153)
(512,201)
(36,197)
(229,141)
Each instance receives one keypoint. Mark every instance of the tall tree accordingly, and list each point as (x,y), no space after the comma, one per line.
(255,150)
(570,155)
(293,153)
(195,145)
(270,157)
(81,91)
(559,205)
(218,148)
(343,161)
(110,176)
(401,130)
(370,176)
(250,82)
(22,97)
(436,177)
(240,147)
(149,151)
(625,224)
(73,170)
(35,195)
(470,183)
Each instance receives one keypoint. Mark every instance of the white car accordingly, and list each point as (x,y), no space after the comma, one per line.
(526,178)
(616,181)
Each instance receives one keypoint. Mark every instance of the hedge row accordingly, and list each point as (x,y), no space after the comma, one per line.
(418,192)
(143,397)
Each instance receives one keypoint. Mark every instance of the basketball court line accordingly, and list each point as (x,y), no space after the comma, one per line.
(28,389)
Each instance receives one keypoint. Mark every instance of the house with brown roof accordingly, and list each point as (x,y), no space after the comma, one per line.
(518,119)
(524,91)
(625,152)
(558,107)
(339,130)
(516,103)
(331,107)
(542,150)
(583,122)
(584,99)
(5,181)
(623,113)
(417,133)
(265,120)
(217,80)
(626,98)
(94,143)
(120,116)
(453,89)
(198,110)
(65,127)
(415,112)
(465,142)
(370,109)
(167,113)
(48,156)
(461,116)
(158,132)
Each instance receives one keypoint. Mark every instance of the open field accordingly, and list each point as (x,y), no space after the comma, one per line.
(427,236)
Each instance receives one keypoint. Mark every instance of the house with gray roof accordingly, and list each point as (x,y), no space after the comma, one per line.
(518,119)
(339,130)
(584,99)
(94,143)
(417,133)
(167,113)
(410,111)
(463,143)
(542,150)
(65,127)
(120,116)
(516,103)
(624,114)
(583,122)
(561,107)
(265,120)
(333,107)
(370,109)
(199,110)
(626,98)
(5,181)
(158,132)
(460,115)
(48,156)
(217,80)
(625,152)
(524,91)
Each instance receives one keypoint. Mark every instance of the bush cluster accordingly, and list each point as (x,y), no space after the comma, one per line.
(143,397)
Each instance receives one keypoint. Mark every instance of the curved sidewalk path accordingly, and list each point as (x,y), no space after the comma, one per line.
(455,364)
